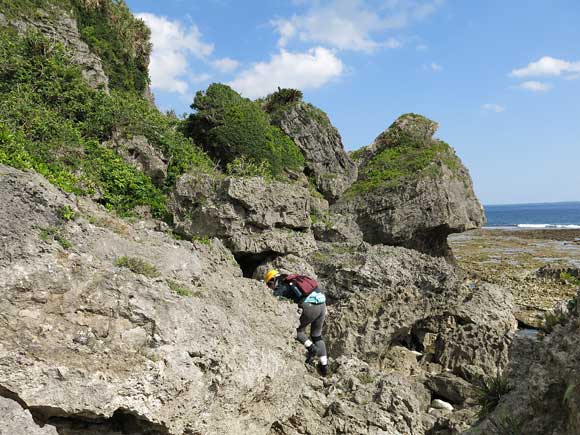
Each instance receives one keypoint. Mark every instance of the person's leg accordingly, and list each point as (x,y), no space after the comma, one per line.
(309,314)
(316,335)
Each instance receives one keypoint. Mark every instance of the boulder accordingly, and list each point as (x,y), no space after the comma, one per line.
(544,376)
(386,296)
(358,401)
(255,218)
(412,190)
(333,227)
(326,161)
(16,420)
(110,328)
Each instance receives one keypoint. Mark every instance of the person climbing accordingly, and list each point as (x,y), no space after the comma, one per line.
(307,294)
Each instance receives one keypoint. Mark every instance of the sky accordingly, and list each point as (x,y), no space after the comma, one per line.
(501,77)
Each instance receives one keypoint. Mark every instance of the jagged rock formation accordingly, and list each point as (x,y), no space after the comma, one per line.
(412,190)
(85,342)
(545,376)
(63,28)
(255,218)
(326,161)
(387,296)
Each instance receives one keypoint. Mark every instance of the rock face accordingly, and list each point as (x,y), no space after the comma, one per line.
(385,296)
(62,28)
(138,152)
(412,190)
(176,342)
(326,161)
(253,217)
(545,376)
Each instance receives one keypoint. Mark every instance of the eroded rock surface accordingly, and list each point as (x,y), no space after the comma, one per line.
(326,161)
(251,215)
(180,343)
(412,190)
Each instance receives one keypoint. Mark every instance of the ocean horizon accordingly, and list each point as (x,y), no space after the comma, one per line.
(550,215)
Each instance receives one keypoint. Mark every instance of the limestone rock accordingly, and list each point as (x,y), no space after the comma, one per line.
(138,152)
(359,401)
(441,404)
(387,296)
(412,190)
(326,161)
(451,388)
(545,377)
(251,215)
(332,227)
(15,420)
(62,28)
(177,343)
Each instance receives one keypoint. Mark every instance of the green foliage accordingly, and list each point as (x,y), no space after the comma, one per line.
(490,392)
(568,278)
(229,126)
(242,167)
(507,425)
(53,122)
(137,265)
(553,319)
(392,166)
(119,39)
(49,234)
(277,103)
(179,289)
(204,240)
(66,213)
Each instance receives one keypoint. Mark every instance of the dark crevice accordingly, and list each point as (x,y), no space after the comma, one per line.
(122,422)
(250,262)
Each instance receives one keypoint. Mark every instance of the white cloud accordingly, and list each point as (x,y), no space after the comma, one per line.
(307,70)
(547,66)
(393,43)
(535,86)
(172,44)
(433,66)
(490,107)
(226,65)
(351,24)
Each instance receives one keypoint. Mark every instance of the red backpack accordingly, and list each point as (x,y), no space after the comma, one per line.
(305,284)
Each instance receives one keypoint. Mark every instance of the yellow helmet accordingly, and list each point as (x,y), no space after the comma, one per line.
(270,275)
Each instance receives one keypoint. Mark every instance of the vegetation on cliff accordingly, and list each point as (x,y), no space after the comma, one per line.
(109,28)
(52,121)
(229,126)
(405,151)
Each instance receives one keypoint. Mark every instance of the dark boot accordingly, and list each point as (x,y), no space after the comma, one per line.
(311,354)
(323,369)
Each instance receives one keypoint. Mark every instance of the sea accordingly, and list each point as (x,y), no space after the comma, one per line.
(550,215)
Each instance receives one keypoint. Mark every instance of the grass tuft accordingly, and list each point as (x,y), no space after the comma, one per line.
(138,265)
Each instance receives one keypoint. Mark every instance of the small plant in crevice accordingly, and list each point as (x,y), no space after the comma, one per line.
(137,265)
(66,213)
(507,425)
(49,234)
(179,289)
(490,392)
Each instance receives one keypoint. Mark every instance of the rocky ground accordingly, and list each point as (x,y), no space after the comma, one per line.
(513,259)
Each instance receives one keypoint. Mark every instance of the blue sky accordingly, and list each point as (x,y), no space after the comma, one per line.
(502,78)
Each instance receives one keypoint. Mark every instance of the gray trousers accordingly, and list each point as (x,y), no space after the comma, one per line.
(312,315)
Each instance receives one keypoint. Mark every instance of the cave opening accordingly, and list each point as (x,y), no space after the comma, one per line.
(250,262)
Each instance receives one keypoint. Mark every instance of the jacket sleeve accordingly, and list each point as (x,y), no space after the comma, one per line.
(281,291)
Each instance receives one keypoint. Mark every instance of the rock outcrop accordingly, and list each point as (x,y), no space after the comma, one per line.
(412,190)
(61,27)
(387,296)
(326,161)
(254,218)
(112,328)
(544,374)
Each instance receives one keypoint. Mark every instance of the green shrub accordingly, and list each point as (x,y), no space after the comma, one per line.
(53,122)
(490,392)
(66,213)
(229,126)
(137,265)
(242,167)
(49,234)
(568,278)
